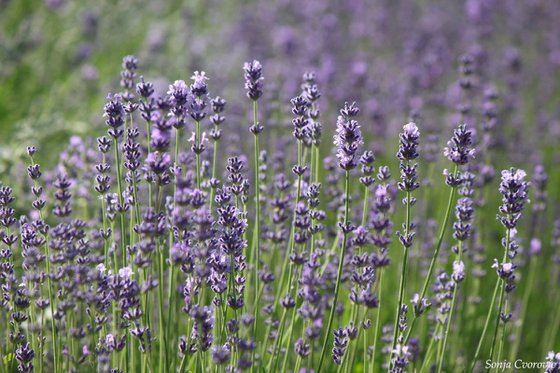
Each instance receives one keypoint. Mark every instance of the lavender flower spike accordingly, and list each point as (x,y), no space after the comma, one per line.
(347,140)
(408,151)
(459,149)
(514,189)
(253,79)
(348,137)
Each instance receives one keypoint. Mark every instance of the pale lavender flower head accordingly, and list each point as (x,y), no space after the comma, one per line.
(114,114)
(179,92)
(514,190)
(552,362)
(458,271)
(221,354)
(504,270)
(464,213)
(540,181)
(348,137)
(253,79)
(535,246)
(408,146)
(419,304)
(459,149)
(199,87)
(408,151)
(128,74)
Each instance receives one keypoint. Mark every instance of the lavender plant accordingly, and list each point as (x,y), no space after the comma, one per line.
(141,251)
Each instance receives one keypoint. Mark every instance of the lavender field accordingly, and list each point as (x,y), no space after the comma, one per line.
(280,186)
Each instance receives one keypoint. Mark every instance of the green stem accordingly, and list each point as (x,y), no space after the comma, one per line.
(163,351)
(365,209)
(503,339)
(291,244)
(429,352)
(377,322)
(171,281)
(448,324)
(403,278)
(533,261)
(489,315)
(50,288)
(289,344)
(339,273)
(197,142)
(436,251)
(257,213)
(120,198)
(486,324)
(214,170)
(502,292)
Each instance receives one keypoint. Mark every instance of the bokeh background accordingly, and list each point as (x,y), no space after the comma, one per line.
(60,58)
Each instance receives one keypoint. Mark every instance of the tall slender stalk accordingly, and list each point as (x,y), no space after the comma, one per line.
(486,324)
(339,272)
(291,246)
(49,285)
(198,162)
(402,283)
(435,256)
(502,292)
(441,356)
(514,190)
(257,237)
(377,322)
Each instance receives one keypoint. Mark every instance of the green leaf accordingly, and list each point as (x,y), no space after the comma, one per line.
(8,358)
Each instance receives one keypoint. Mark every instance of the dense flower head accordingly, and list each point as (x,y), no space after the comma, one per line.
(340,345)
(540,182)
(348,137)
(300,123)
(514,190)
(408,144)
(309,88)
(458,271)
(24,355)
(114,114)
(459,149)
(199,87)
(464,213)
(179,92)
(128,75)
(144,89)
(253,79)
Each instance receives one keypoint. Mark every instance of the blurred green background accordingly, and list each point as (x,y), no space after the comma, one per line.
(59,59)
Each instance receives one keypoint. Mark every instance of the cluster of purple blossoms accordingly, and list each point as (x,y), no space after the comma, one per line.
(340,345)
(408,151)
(514,190)
(348,138)
(462,230)
(128,76)
(401,354)
(552,362)
(253,79)
(114,114)
(459,150)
